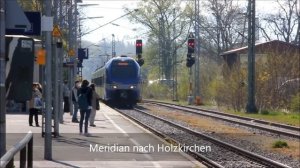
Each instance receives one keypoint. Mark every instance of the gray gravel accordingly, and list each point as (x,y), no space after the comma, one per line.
(218,154)
(247,145)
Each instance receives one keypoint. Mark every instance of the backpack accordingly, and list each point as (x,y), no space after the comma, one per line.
(38,103)
(83,101)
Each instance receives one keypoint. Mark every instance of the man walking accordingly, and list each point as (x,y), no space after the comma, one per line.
(75,101)
(66,95)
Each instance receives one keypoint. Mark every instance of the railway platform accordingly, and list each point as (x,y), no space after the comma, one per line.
(114,142)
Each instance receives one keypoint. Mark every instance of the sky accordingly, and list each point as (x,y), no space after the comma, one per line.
(122,29)
(110,10)
(126,31)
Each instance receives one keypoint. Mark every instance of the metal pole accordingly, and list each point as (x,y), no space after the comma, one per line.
(175,95)
(113,46)
(76,50)
(251,107)
(48,74)
(30,153)
(55,81)
(197,50)
(298,9)
(60,66)
(160,63)
(74,46)
(2,81)
(71,46)
(218,33)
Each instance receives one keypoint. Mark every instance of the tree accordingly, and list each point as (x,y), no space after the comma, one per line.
(223,27)
(284,25)
(159,17)
(31,5)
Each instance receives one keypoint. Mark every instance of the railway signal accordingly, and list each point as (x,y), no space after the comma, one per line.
(139,47)
(139,51)
(191,45)
(190,60)
(140,60)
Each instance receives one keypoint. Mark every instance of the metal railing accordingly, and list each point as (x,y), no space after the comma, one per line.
(7,160)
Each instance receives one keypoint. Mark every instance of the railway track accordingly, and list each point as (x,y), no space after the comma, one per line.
(277,128)
(250,156)
(206,161)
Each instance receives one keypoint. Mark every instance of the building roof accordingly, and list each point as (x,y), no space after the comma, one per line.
(260,47)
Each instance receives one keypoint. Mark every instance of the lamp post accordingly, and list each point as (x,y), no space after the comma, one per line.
(113,46)
(2,81)
(197,52)
(48,90)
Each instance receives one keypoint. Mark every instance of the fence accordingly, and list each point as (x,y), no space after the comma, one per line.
(7,160)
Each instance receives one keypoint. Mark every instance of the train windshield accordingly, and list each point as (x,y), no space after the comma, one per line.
(123,70)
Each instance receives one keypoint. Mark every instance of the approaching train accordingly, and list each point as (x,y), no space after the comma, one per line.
(118,82)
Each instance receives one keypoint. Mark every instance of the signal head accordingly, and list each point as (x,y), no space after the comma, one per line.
(139,47)
(191,45)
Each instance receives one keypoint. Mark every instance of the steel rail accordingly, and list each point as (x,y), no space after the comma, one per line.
(249,123)
(250,155)
(294,128)
(206,161)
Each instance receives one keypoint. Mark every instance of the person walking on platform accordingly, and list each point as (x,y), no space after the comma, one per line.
(75,101)
(85,105)
(66,94)
(35,104)
(95,105)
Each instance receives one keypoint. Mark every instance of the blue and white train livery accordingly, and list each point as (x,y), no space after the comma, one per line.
(118,82)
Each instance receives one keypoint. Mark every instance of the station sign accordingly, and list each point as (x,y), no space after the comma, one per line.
(71,53)
(41,57)
(34,19)
(56,31)
(16,20)
(83,53)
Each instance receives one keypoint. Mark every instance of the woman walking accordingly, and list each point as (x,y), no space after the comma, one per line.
(85,105)
(95,105)
(35,104)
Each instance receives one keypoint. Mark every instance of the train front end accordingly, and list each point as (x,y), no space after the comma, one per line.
(123,81)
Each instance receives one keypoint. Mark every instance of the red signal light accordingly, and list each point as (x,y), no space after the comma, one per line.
(191,42)
(139,45)
(191,45)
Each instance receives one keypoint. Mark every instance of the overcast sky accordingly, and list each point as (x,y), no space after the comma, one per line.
(112,9)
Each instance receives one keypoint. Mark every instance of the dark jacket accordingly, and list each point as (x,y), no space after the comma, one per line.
(88,92)
(74,99)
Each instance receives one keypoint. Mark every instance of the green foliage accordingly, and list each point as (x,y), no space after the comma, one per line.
(156,91)
(31,5)
(227,89)
(295,103)
(280,144)
(159,17)
(183,83)
(264,112)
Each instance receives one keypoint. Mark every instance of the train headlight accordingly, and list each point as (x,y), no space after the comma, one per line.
(114,87)
(131,87)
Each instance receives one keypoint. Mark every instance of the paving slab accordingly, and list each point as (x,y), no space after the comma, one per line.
(115,142)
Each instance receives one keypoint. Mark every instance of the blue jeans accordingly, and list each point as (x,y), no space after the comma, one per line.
(84,115)
(75,111)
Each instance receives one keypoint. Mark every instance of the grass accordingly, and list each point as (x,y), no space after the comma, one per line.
(273,116)
(280,144)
